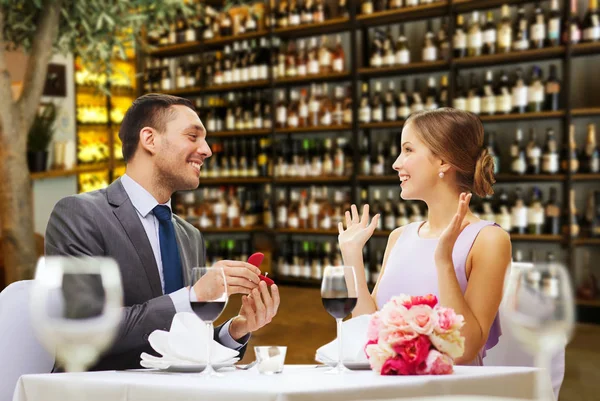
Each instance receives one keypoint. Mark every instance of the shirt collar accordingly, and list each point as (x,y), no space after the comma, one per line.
(141,199)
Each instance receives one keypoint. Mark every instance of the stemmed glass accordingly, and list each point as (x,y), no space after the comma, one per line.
(339,295)
(209,305)
(540,312)
(75,306)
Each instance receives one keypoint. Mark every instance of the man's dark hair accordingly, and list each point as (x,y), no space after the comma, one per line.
(151,110)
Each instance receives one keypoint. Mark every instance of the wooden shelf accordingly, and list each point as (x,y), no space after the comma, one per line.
(585,49)
(92,168)
(250,132)
(586,111)
(323,128)
(529,178)
(512,57)
(594,303)
(229,230)
(306,231)
(234,181)
(586,177)
(379,179)
(536,238)
(524,116)
(419,67)
(586,241)
(335,179)
(436,9)
(182,49)
(469,5)
(308,79)
(220,42)
(382,125)
(218,88)
(330,26)
(179,49)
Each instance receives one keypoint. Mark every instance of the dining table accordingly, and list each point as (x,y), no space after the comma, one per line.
(294,383)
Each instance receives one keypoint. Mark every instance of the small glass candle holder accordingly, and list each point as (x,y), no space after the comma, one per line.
(270,359)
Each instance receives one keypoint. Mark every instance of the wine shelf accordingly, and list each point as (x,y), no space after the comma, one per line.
(229,230)
(513,57)
(586,49)
(234,181)
(322,128)
(250,132)
(91,168)
(404,14)
(308,79)
(333,25)
(586,241)
(412,68)
(523,116)
(313,180)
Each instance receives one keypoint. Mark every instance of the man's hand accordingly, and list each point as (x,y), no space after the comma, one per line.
(241,278)
(258,309)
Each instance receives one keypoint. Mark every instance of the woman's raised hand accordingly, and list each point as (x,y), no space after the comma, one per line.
(358,230)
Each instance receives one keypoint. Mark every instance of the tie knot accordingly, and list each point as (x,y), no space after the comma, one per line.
(162,213)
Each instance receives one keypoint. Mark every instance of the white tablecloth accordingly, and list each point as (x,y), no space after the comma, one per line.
(297,382)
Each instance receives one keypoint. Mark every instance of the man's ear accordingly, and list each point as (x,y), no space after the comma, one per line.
(148,140)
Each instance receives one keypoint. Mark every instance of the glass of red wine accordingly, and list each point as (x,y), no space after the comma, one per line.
(339,295)
(209,305)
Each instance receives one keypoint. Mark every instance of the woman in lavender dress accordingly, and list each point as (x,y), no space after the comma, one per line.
(453,254)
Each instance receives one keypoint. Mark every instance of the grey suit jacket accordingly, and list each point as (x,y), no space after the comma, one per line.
(105,223)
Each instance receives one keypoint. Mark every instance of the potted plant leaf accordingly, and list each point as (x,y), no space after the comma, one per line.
(39,137)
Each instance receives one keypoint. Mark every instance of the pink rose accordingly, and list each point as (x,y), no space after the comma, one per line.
(447,320)
(374,327)
(451,343)
(374,342)
(392,335)
(395,316)
(400,300)
(429,300)
(397,366)
(378,354)
(422,319)
(413,352)
(436,363)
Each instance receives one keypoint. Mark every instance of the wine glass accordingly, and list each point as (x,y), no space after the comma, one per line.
(75,307)
(339,295)
(540,312)
(209,305)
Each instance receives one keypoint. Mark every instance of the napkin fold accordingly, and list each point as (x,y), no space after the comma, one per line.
(185,344)
(354,333)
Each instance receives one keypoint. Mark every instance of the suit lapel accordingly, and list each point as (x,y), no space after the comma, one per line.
(128,217)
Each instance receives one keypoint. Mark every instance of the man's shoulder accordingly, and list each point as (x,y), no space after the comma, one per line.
(187,227)
(84,201)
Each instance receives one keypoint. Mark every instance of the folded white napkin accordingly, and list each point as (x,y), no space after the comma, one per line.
(185,344)
(354,333)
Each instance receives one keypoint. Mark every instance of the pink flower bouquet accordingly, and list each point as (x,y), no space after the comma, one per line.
(414,336)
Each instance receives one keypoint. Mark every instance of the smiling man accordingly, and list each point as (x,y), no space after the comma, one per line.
(164,146)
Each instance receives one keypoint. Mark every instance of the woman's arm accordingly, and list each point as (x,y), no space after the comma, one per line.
(490,257)
(352,240)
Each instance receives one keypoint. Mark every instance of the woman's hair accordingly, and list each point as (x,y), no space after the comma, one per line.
(456,137)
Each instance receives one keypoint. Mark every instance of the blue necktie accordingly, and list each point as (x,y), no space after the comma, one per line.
(169,252)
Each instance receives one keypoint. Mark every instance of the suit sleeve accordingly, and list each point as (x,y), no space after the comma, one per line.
(72,231)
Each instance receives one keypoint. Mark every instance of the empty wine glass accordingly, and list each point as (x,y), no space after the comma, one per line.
(75,307)
(540,312)
(339,295)
(209,305)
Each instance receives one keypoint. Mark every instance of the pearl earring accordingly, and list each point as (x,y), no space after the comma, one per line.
(441,174)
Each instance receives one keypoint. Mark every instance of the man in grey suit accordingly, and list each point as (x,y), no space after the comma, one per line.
(164,146)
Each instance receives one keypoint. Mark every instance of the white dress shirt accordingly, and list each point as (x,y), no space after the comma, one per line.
(144,203)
